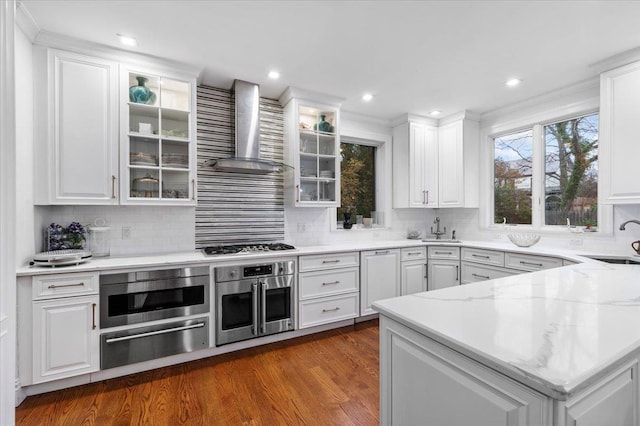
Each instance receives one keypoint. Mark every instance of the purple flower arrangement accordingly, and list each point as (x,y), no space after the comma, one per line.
(60,238)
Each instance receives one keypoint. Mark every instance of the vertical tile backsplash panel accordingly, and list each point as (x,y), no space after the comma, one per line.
(237,207)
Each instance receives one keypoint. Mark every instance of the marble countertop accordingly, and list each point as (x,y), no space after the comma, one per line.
(197,257)
(556,330)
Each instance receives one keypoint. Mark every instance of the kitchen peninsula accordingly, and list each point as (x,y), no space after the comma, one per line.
(553,347)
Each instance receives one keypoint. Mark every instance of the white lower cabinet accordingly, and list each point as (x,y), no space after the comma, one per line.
(379,277)
(328,288)
(426,383)
(611,401)
(474,272)
(413,270)
(443,267)
(66,340)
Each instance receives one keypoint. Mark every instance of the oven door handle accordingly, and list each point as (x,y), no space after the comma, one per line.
(254,297)
(263,313)
(154,333)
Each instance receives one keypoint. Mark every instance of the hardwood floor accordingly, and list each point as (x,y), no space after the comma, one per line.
(329,378)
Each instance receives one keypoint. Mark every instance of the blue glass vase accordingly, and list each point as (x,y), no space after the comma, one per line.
(141,94)
(322,125)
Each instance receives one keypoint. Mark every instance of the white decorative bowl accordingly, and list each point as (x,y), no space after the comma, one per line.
(524,239)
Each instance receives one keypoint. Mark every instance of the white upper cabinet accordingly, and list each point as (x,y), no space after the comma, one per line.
(436,165)
(619,147)
(158,151)
(415,172)
(85,153)
(312,147)
(76,133)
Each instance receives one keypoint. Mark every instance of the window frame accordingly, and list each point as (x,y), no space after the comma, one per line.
(382,143)
(536,123)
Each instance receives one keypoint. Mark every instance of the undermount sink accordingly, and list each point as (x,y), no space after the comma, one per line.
(616,260)
(441,240)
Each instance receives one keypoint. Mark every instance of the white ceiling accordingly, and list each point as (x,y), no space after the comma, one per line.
(414,56)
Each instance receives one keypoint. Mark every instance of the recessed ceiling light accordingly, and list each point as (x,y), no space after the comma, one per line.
(274,75)
(435,112)
(127,41)
(513,82)
(367,97)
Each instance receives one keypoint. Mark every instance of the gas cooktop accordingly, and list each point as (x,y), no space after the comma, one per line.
(246,248)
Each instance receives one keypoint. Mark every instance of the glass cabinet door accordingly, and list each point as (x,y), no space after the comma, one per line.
(317,157)
(159,141)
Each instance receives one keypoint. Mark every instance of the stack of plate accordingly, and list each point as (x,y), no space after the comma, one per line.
(326,174)
(175,160)
(143,159)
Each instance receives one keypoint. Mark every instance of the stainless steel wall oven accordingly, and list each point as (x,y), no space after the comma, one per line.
(137,299)
(254,300)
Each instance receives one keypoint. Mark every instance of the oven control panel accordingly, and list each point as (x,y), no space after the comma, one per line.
(239,272)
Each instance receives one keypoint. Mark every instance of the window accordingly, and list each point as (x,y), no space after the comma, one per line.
(358,180)
(571,171)
(512,173)
(547,174)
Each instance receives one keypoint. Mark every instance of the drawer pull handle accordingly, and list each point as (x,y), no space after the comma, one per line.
(522,262)
(324,311)
(113,186)
(154,333)
(193,189)
(93,311)
(457,273)
(52,286)
(331,261)
(481,276)
(444,252)
(332,283)
(382,252)
(479,255)
(414,253)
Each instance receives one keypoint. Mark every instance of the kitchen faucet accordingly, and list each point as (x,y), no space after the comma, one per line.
(438,233)
(637,222)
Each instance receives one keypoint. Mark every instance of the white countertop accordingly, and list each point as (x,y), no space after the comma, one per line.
(197,257)
(556,330)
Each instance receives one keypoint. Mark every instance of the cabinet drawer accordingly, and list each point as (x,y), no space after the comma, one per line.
(444,252)
(413,253)
(487,257)
(63,285)
(320,283)
(329,261)
(472,272)
(326,310)
(527,262)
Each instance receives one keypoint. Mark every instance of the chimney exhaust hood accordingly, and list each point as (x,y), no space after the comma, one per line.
(247,135)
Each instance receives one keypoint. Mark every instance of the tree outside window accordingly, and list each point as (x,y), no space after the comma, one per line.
(357,174)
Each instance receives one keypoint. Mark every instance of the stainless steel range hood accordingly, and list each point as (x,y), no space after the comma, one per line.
(247,136)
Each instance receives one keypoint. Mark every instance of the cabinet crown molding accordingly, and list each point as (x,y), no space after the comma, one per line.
(26,23)
(412,118)
(308,95)
(75,45)
(462,115)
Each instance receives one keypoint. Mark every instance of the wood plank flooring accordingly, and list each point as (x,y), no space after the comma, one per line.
(329,378)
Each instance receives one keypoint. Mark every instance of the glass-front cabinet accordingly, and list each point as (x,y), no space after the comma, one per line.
(157,163)
(312,145)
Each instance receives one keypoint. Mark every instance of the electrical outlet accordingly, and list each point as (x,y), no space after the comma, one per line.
(302,227)
(575,242)
(126,232)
